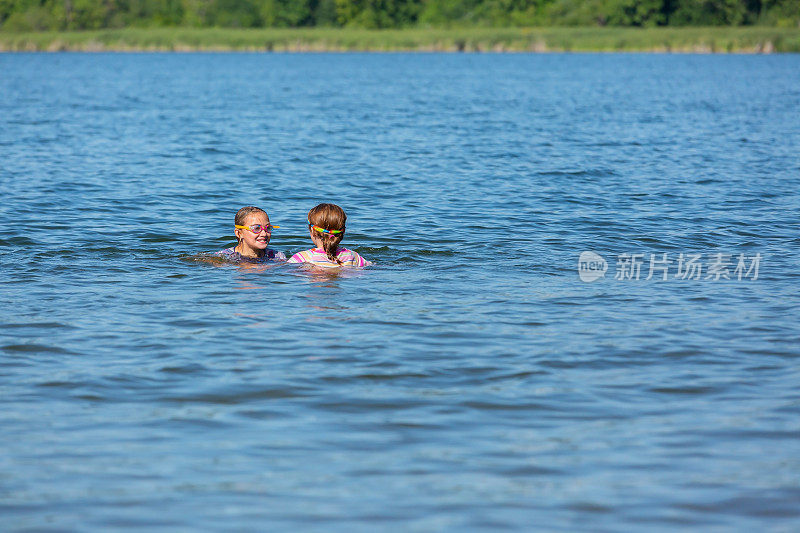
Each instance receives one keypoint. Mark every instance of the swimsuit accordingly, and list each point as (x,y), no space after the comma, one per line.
(230,254)
(319,258)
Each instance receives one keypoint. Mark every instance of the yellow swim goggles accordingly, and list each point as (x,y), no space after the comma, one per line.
(257,228)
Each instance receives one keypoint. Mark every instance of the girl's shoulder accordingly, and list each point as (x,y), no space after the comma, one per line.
(351,258)
(318,257)
(307,256)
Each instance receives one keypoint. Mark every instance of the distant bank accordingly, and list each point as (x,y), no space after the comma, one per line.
(688,39)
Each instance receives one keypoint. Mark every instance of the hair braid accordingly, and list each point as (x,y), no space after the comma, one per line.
(330,217)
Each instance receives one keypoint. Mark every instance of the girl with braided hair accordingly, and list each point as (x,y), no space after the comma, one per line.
(326,226)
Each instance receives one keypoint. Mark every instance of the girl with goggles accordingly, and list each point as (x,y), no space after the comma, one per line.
(326,227)
(253,231)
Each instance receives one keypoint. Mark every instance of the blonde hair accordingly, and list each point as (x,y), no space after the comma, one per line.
(244,212)
(330,217)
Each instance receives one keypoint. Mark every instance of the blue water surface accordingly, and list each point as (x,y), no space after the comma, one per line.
(470,379)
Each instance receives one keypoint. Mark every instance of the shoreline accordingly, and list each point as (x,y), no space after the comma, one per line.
(739,40)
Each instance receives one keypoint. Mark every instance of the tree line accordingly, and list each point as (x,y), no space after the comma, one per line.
(41,15)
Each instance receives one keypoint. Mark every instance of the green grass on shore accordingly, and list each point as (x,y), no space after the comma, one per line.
(740,39)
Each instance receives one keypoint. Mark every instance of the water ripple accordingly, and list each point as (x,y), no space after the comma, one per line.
(469,379)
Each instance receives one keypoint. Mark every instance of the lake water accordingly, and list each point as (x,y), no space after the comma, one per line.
(473,378)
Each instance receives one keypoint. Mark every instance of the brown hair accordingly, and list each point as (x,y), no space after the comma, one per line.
(243,213)
(330,217)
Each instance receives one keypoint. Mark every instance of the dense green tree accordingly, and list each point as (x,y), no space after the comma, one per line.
(507,12)
(196,12)
(287,13)
(325,13)
(36,15)
(709,13)
(27,15)
(377,13)
(447,12)
(233,14)
(577,13)
(780,13)
(636,13)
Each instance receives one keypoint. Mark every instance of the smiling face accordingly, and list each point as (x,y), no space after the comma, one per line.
(253,244)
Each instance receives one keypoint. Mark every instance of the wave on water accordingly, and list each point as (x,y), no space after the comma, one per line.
(472,378)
